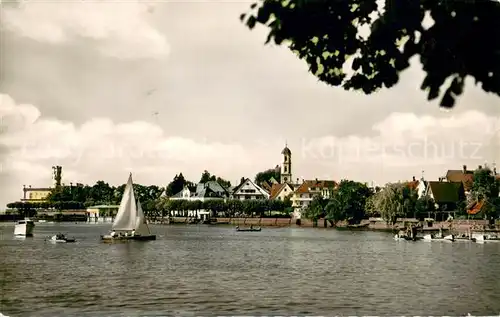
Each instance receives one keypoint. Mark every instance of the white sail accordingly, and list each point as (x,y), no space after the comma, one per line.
(127,213)
(141,226)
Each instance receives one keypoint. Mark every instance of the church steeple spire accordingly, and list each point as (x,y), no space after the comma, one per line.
(286,166)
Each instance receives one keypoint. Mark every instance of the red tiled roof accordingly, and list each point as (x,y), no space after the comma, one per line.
(275,190)
(412,184)
(476,208)
(459,176)
(304,187)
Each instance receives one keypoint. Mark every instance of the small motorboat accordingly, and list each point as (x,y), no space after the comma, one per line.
(24,228)
(406,235)
(248,229)
(61,238)
(484,237)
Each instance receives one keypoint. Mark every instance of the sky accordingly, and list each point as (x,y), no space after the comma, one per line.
(104,88)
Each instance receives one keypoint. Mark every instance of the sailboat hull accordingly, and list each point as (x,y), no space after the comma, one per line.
(127,238)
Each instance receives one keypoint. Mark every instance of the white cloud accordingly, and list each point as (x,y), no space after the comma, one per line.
(408,140)
(119,29)
(402,144)
(102,149)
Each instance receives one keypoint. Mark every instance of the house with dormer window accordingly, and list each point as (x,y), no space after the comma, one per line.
(202,191)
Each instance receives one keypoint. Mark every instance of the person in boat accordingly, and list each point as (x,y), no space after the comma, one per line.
(251,227)
(133,232)
(112,233)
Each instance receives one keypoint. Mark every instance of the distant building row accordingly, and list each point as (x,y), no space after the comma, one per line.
(300,193)
(451,189)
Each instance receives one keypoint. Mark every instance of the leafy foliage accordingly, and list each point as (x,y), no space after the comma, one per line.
(463,41)
(347,202)
(268,174)
(491,209)
(206,177)
(485,184)
(101,193)
(486,188)
(232,207)
(424,205)
(177,184)
(316,208)
(394,201)
(29,209)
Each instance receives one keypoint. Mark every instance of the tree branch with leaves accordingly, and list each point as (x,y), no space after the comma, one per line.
(463,41)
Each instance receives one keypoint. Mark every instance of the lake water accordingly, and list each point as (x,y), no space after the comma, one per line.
(209,270)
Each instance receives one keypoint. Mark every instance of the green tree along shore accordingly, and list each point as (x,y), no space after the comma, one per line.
(225,208)
(163,207)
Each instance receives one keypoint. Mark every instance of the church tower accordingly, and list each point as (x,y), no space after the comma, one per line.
(286,166)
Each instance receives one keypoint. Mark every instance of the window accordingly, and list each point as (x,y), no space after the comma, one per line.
(286,169)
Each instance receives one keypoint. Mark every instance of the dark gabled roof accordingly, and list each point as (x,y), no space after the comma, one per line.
(210,189)
(447,192)
(266,185)
(213,185)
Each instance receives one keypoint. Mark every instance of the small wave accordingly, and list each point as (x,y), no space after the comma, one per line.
(2,315)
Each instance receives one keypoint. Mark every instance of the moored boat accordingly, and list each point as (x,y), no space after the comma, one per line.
(24,227)
(482,237)
(354,227)
(248,229)
(431,237)
(409,234)
(130,222)
(61,238)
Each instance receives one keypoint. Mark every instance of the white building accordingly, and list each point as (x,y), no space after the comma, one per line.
(249,190)
(309,189)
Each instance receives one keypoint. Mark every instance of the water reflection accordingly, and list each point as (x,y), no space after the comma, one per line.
(216,270)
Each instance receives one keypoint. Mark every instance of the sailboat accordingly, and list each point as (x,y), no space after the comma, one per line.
(130,222)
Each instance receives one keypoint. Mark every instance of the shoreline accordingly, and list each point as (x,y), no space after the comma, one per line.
(455,226)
